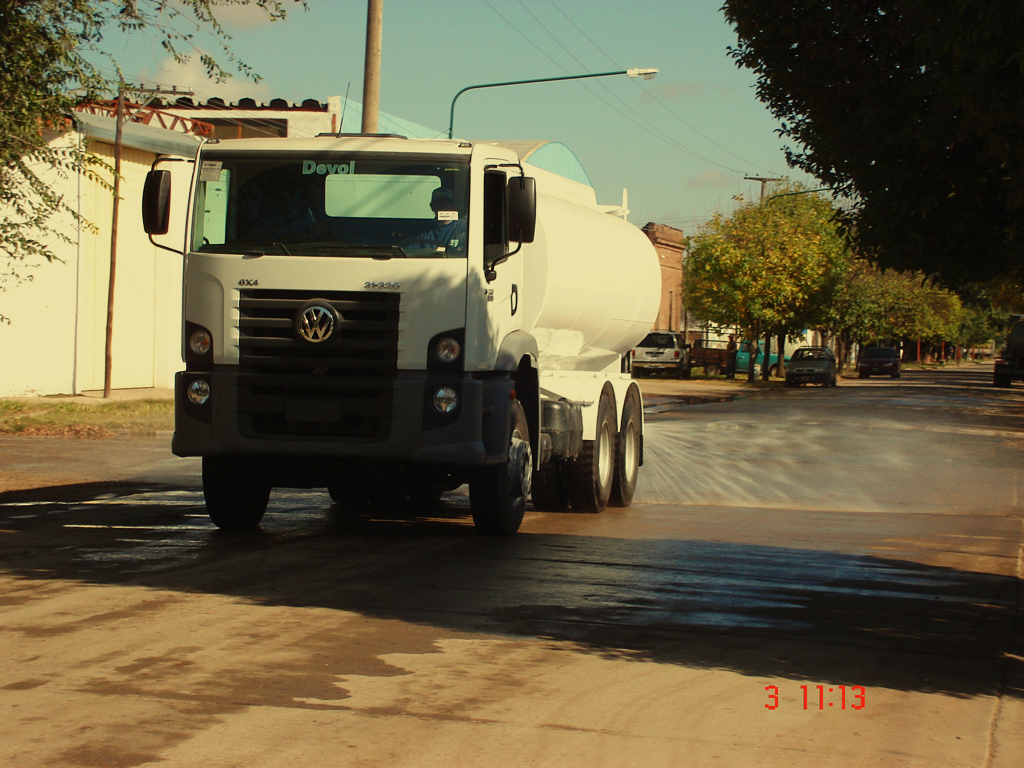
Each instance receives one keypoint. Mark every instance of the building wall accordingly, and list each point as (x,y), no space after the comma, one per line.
(668,242)
(56,339)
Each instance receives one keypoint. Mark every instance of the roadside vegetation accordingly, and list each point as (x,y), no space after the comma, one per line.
(49,417)
(777,268)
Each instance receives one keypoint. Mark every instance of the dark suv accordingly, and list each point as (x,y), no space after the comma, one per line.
(875,361)
(661,352)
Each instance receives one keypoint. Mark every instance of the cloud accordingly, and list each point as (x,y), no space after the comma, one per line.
(708,180)
(192,76)
(238,18)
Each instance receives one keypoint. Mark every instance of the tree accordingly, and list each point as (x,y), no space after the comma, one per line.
(875,305)
(913,108)
(768,269)
(48,55)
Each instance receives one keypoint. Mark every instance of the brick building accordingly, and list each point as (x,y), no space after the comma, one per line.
(668,242)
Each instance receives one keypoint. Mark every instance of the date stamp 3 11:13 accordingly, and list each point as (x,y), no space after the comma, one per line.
(819,697)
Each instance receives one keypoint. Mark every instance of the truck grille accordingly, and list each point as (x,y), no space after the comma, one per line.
(342,388)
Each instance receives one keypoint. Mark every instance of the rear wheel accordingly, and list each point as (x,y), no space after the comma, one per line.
(497,495)
(589,477)
(628,452)
(236,492)
(549,492)
(712,369)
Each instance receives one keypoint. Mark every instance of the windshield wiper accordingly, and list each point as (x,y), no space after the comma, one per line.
(250,250)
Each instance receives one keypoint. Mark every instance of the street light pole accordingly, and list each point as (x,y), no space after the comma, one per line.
(642,73)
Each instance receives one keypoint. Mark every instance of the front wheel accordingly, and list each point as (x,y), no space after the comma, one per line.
(497,494)
(236,491)
(590,476)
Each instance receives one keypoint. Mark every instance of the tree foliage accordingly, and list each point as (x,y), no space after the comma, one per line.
(770,268)
(49,51)
(913,108)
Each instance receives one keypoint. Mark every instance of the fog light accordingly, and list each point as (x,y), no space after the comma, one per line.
(445,400)
(198,391)
(448,349)
(200,342)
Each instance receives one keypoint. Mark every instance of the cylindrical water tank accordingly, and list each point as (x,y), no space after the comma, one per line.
(593,284)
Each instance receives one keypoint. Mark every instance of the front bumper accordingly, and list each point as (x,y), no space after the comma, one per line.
(414,431)
(807,377)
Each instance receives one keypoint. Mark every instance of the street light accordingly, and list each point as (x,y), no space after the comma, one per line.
(641,72)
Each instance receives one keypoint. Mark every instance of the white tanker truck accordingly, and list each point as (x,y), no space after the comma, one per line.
(369,312)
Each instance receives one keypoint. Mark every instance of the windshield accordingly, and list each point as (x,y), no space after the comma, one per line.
(879,352)
(331,205)
(810,354)
(658,340)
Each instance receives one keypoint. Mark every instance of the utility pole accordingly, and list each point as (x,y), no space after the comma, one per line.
(371,67)
(120,112)
(764,182)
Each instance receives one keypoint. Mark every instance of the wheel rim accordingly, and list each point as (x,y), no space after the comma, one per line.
(604,449)
(520,467)
(629,453)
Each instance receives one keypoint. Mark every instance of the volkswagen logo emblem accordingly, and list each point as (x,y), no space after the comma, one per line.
(315,323)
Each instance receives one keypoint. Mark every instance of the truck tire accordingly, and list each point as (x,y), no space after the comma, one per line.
(497,501)
(236,493)
(589,477)
(549,492)
(1001,380)
(629,443)
(773,371)
(712,369)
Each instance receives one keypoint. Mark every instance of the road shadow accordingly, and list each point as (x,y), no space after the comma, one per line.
(762,611)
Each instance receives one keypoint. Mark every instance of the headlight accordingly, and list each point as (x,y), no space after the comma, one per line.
(200,342)
(198,391)
(448,349)
(445,400)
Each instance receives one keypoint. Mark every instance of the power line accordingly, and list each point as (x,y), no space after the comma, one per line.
(653,96)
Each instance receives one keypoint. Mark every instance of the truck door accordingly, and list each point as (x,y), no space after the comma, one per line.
(504,273)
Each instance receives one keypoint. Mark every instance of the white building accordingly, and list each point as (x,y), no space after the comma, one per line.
(54,339)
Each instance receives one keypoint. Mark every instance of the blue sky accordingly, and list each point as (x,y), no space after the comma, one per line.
(680,143)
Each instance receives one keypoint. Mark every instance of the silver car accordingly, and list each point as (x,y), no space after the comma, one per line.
(811,365)
(661,352)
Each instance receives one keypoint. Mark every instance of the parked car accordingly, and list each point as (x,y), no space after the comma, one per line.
(875,361)
(812,365)
(661,352)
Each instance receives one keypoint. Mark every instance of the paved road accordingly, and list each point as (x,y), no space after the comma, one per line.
(856,548)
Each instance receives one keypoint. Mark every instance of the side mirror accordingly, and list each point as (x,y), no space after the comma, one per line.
(156,202)
(522,209)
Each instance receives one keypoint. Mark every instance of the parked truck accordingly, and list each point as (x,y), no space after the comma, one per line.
(1009,366)
(713,357)
(369,312)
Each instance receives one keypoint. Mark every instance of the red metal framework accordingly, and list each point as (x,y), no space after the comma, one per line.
(138,113)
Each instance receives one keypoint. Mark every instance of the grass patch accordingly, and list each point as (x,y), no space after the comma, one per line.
(122,419)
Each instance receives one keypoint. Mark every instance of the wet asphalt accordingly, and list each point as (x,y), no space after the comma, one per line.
(865,537)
